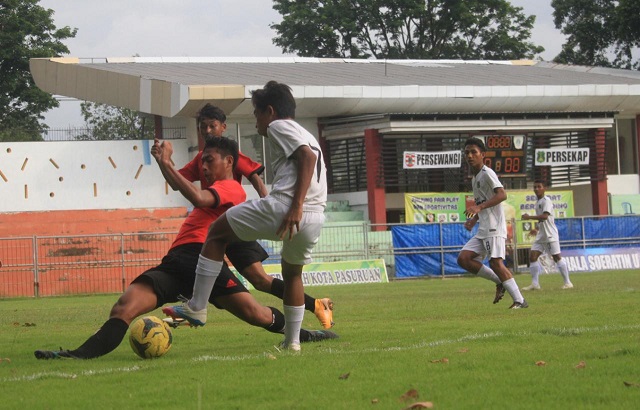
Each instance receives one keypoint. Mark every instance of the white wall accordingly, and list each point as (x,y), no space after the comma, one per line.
(358,201)
(67,175)
(623,184)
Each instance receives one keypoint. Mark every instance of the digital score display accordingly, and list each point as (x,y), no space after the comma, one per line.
(506,154)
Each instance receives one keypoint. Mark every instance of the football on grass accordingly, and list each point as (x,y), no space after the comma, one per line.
(150,337)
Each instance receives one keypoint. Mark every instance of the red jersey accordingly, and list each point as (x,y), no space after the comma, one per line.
(195,227)
(245,166)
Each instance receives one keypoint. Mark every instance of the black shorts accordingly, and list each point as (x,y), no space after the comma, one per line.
(177,271)
(243,254)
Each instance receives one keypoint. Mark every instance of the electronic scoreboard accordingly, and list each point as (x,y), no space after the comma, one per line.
(506,154)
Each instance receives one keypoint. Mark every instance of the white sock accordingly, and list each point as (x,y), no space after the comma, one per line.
(511,286)
(564,270)
(535,273)
(207,272)
(293,316)
(487,273)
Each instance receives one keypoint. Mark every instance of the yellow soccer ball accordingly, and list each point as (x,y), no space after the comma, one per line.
(150,337)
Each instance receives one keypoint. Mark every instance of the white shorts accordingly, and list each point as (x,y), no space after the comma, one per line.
(491,247)
(261,218)
(552,248)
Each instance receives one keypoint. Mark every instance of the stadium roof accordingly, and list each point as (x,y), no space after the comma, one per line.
(178,87)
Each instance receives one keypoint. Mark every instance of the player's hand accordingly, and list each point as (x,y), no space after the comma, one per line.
(156,149)
(469,224)
(472,211)
(167,150)
(533,232)
(290,224)
(525,216)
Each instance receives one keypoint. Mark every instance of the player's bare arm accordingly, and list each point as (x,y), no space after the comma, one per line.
(542,217)
(156,152)
(500,195)
(200,198)
(258,185)
(306,161)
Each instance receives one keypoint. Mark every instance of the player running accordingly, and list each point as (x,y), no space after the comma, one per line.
(490,239)
(547,238)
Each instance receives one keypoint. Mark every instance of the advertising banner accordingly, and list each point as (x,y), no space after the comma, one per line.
(449,207)
(561,156)
(333,273)
(440,159)
(519,203)
(596,259)
(434,207)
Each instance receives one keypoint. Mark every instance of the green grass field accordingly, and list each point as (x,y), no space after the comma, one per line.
(444,339)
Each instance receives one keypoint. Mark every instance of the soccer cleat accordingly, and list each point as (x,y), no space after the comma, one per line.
(499,293)
(195,318)
(324,312)
(519,305)
(174,323)
(54,354)
(320,335)
(292,347)
(532,287)
(567,286)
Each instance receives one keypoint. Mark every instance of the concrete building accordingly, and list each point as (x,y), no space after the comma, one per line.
(369,113)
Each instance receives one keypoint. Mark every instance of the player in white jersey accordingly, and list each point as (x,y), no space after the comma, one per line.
(490,239)
(293,212)
(547,238)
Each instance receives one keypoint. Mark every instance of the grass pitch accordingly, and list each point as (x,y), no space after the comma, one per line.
(401,343)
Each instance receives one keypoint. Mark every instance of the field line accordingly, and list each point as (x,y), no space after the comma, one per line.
(331,350)
(63,375)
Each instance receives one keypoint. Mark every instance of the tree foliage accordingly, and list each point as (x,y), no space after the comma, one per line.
(599,32)
(26,31)
(106,122)
(405,29)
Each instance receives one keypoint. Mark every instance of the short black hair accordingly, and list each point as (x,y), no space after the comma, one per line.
(540,181)
(225,146)
(277,95)
(211,112)
(477,142)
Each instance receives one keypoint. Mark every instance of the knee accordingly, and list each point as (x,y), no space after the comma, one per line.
(121,311)
(463,261)
(260,280)
(496,264)
(257,316)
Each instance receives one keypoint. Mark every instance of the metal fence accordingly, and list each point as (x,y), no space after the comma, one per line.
(69,265)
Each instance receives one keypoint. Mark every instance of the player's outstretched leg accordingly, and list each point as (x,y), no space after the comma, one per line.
(194,317)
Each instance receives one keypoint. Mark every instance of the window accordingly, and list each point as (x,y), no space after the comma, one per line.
(622,148)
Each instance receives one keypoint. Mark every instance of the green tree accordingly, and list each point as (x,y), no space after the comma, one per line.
(599,32)
(106,122)
(26,31)
(405,29)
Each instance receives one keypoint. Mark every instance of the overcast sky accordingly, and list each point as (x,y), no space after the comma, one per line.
(195,28)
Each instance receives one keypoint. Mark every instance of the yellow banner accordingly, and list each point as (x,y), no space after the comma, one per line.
(333,273)
(449,207)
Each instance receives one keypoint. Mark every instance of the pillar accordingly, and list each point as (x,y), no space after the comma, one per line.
(157,126)
(599,174)
(375,179)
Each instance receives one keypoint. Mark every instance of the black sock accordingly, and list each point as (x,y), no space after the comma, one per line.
(277,326)
(277,290)
(105,340)
(277,321)
(305,336)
